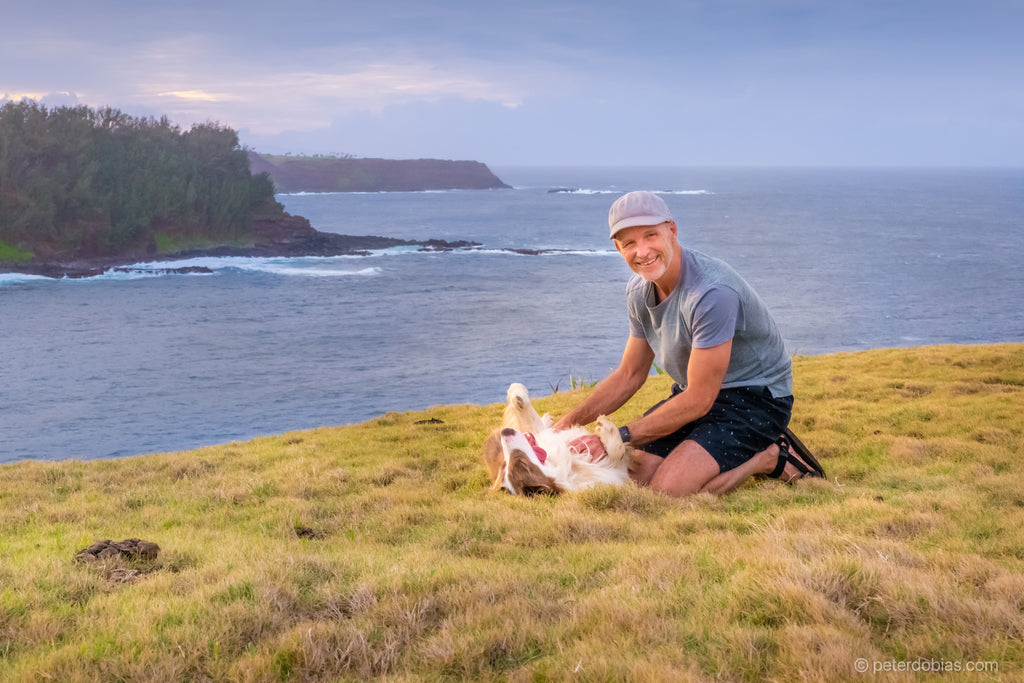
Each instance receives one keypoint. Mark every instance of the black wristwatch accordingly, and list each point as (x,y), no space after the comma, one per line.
(624,434)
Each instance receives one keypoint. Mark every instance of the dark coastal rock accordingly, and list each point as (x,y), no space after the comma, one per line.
(166,271)
(540,252)
(55,270)
(565,190)
(289,235)
(128,549)
(279,236)
(442,245)
(529,252)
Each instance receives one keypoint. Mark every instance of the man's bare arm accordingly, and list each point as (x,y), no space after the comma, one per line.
(704,373)
(615,389)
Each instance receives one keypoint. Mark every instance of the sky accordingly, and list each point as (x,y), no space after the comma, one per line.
(548,82)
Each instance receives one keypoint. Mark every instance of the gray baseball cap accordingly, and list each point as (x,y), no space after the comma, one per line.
(637,208)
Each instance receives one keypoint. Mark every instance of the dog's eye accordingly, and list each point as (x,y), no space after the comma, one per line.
(537,491)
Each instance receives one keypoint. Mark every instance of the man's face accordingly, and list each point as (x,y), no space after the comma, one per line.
(648,249)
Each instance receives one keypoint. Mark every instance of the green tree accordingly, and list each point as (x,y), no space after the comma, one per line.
(75,181)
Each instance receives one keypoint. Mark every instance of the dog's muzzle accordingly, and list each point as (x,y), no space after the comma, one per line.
(542,455)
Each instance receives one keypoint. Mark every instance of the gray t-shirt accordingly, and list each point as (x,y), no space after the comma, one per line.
(711,305)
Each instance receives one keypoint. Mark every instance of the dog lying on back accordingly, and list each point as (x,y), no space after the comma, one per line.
(525,456)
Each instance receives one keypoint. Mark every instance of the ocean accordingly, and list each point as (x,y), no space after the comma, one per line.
(847,259)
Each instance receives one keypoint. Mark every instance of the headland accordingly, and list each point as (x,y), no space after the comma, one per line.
(349,174)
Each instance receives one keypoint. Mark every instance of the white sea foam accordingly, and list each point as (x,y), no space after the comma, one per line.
(16,278)
(127,273)
(587,191)
(304,266)
(329,266)
(353,265)
(307,269)
(351,192)
(307,266)
(546,251)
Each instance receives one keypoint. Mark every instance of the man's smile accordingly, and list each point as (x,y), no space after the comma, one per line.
(651,268)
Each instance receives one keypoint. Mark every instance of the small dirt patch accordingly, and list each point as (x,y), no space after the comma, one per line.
(128,549)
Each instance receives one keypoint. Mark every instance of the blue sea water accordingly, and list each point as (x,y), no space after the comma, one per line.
(847,259)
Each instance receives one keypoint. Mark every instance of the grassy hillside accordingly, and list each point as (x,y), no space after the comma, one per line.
(376,551)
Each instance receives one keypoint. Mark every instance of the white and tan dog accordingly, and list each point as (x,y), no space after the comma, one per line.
(525,456)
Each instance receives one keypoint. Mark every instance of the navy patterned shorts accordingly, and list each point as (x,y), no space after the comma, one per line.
(743,422)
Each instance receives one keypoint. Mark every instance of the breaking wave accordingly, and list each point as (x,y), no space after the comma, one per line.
(333,266)
(296,266)
(580,190)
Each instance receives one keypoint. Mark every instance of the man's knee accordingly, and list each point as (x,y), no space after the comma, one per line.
(685,471)
(643,466)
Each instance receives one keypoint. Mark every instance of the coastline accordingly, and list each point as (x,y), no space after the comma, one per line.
(286,236)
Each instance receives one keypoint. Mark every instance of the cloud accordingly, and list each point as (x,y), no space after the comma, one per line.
(19,96)
(198,96)
(555,81)
(275,102)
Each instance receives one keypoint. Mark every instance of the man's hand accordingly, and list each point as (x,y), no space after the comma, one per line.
(589,446)
(562,424)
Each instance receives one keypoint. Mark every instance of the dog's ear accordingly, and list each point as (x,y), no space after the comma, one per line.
(494,458)
(527,479)
(499,480)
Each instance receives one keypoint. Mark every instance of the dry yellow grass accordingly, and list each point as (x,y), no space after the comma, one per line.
(376,551)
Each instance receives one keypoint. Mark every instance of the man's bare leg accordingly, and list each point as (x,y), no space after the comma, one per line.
(685,471)
(643,465)
(762,463)
(690,469)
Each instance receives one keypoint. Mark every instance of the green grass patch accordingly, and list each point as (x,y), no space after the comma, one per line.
(173,244)
(376,551)
(12,254)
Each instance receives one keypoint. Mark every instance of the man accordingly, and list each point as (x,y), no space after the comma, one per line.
(715,337)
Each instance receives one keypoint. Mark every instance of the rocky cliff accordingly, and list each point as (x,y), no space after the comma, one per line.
(334,174)
(271,236)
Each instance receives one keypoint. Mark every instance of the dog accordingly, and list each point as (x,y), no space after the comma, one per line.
(525,456)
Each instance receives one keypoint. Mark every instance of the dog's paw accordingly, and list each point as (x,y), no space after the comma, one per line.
(606,430)
(518,396)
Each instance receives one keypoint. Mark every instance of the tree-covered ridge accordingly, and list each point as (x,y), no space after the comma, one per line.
(349,174)
(77,182)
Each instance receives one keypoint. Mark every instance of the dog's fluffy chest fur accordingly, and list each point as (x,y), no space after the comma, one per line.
(525,456)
